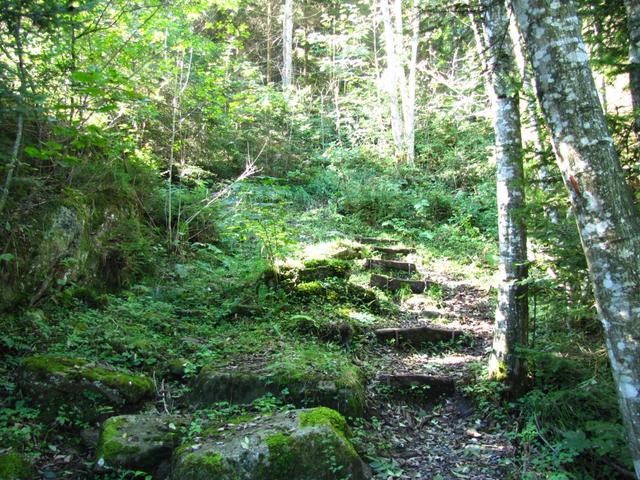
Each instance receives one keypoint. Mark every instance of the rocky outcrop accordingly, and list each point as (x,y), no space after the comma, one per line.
(342,390)
(139,442)
(296,445)
(90,389)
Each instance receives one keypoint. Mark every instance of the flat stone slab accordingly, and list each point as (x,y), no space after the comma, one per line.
(374,241)
(345,392)
(394,250)
(53,381)
(416,336)
(421,385)
(391,265)
(296,445)
(395,284)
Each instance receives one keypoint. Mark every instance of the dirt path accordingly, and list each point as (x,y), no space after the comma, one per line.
(442,438)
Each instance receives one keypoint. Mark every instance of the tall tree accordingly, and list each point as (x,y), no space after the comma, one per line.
(633,23)
(511,322)
(287,44)
(401,86)
(607,218)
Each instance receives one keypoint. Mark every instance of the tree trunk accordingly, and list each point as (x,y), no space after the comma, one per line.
(269,45)
(512,311)
(633,22)
(410,121)
(397,127)
(287,45)
(541,150)
(607,219)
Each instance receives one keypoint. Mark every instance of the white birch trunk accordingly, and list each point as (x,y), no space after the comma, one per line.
(512,311)
(287,44)
(391,83)
(633,22)
(410,121)
(606,215)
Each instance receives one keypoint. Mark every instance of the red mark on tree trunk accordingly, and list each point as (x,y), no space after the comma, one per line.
(575,186)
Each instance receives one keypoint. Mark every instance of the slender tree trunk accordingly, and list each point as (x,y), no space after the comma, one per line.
(541,150)
(269,45)
(607,220)
(410,122)
(287,45)
(512,311)
(633,21)
(397,127)
(17,143)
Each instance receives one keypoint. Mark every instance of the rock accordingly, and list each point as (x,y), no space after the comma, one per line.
(348,253)
(391,265)
(322,269)
(54,381)
(296,445)
(14,466)
(338,291)
(139,442)
(395,284)
(416,336)
(343,391)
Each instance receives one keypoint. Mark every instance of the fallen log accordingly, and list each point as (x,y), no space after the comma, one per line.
(394,250)
(373,241)
(390,265)
(416,336)
(395,284)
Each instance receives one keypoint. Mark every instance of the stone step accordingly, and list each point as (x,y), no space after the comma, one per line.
(391,265)
(416,336)
(395,284)
(419,384)
(394,250)
(374,241)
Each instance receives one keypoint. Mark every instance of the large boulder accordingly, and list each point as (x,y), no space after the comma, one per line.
(310,444)
(90,389)
(344,390)
(139,442)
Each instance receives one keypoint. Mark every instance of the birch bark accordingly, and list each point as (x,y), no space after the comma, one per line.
(287,44)
(633,22)
(607,220)
(512,311)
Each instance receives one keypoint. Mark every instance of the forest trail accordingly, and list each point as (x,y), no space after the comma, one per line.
(431,428)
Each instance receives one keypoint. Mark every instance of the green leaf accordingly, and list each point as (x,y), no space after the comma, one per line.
(7,257)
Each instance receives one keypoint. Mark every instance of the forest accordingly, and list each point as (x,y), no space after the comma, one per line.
(319,239)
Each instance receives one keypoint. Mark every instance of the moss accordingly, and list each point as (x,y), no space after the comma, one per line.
(282,456)
(324,416)
(205,466)
(133,387)
(14,466)
(112,443)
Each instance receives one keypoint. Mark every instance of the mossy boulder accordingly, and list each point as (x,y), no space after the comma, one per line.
(14,466)
(343,389)
(336,291)
(308,444)
(139,442)
(325,268)
(89,389)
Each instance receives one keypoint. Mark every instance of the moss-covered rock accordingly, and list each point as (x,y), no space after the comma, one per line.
(337,291)
(88,388)
(342,388)
(139,442)
(297,445)
(14,466)
(325,268)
